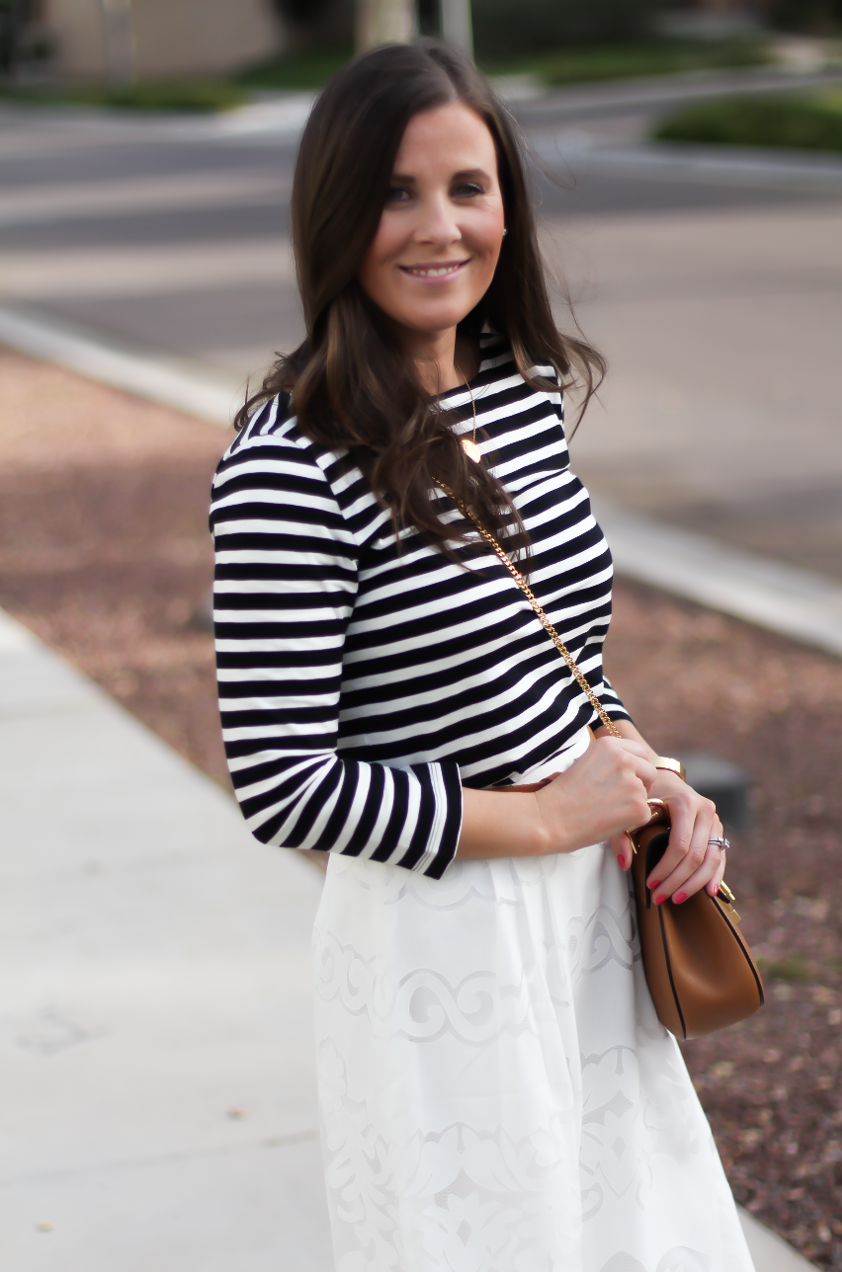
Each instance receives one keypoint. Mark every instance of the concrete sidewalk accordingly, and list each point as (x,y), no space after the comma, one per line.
(159,1104)
(159,1107)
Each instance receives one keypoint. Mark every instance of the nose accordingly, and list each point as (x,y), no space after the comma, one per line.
(437,222)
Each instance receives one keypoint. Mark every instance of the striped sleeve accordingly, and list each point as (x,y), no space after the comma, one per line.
(612,703)
(285,582)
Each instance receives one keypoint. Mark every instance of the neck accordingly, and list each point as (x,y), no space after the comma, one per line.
(435,361)
(442,360)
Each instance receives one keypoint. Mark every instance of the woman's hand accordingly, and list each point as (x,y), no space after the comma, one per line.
(690,862)
(600,797)
(602,794)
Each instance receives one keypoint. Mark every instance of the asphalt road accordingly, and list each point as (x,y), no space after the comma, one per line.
(714,289)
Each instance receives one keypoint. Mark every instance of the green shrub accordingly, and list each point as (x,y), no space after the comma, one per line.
(511,28)
(646,57)
(189,96)
(816,17)
(791,122)
(202,97)
(308,69)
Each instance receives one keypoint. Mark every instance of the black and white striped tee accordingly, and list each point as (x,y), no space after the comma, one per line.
(362,686)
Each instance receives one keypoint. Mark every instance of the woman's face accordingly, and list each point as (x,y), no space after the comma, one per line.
(436,248)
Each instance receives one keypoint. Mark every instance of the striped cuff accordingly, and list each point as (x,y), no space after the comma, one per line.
(436,836)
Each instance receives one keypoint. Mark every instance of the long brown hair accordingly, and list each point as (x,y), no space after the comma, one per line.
(351,382)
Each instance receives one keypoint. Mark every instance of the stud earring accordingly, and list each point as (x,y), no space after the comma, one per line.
(505,231)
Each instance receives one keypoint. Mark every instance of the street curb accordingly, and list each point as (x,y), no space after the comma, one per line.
(740,166)
(794,603)
(155,379)
(666,90)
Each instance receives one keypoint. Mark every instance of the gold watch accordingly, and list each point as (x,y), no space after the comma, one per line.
(671,765)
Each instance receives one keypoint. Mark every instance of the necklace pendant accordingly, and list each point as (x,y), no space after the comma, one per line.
(471,450)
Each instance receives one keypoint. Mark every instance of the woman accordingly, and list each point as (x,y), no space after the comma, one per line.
(497,1092)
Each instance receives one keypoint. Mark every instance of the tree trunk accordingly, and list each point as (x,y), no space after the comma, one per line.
(456,26)
(384,22)
(119,41)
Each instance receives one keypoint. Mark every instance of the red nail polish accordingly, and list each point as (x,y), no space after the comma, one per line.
(679,897)
(656,883)
(660,900)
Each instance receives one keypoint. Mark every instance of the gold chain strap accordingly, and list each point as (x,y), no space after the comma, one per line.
(545,622)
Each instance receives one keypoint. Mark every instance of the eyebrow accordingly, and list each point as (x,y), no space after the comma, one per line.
(466,174)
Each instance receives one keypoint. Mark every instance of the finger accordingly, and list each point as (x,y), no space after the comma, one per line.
(621,846)
(682,828)
(641,765)
(694,859)
(646,771)
(630,745)
(704,877)
(713,885)
(637,751)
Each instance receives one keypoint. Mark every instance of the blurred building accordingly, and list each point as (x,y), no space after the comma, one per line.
(148,39)
(712,18)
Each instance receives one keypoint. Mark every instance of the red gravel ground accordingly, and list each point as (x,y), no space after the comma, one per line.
(104,553)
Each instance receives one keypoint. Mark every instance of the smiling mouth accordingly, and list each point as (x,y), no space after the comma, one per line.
(434,270)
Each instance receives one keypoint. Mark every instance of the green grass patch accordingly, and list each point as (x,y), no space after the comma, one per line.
(787,969)
(634,60)
(310,69)
(794,122)
(197,97)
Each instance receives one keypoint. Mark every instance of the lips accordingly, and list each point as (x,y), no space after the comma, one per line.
(436,269)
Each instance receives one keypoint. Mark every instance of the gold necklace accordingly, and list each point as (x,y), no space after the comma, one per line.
(469,444)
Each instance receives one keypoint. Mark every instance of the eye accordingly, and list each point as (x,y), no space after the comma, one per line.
(467,190)
(398,194)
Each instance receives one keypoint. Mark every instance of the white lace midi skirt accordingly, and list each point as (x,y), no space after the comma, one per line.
(497,1094)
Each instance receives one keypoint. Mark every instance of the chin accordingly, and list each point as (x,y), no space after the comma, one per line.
(430,319)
